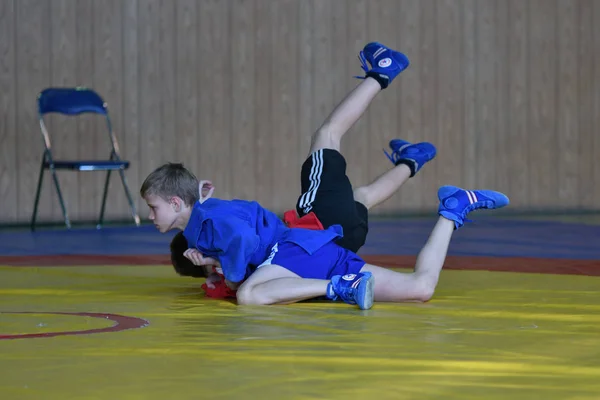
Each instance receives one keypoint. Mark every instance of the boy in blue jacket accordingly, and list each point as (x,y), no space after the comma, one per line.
(298,264)
(328,197)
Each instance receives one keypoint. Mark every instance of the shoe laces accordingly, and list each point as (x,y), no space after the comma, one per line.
(346,293)
(393,157)
(475,206)
(363,64)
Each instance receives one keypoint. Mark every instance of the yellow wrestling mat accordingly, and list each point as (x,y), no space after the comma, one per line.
(137,332)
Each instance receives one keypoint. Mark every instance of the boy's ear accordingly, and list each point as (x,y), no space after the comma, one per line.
(176,203)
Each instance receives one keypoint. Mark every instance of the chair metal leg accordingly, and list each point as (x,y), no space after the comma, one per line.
(60,198)
(37,195)
(101,219)
(134,214)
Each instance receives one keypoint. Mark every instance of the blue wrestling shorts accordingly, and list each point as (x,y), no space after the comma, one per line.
(329,260)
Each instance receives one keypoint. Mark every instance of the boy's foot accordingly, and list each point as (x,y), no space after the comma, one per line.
(456,203)
(353,289)
(413,155)
(385,63)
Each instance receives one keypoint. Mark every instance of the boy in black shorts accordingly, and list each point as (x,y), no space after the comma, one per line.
(327,195)
(295,271)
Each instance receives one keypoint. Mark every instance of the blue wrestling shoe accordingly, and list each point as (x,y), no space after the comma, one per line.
(386,64)
(413,155)
(456,203)
(353,289)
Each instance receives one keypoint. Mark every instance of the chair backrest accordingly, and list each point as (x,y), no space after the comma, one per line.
(70,101)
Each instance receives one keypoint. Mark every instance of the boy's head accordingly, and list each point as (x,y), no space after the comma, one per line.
(170,191)
(182,265)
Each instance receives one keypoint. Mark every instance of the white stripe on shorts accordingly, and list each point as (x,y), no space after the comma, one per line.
(316,171)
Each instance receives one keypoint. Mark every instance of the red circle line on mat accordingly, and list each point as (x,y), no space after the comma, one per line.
(122,323)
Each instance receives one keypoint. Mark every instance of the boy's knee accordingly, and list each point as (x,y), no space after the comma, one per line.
(246,296)
(426,294)
(425,290)
(361,195)
(325,138)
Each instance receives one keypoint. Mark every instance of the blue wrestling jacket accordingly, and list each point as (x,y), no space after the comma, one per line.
(240,234)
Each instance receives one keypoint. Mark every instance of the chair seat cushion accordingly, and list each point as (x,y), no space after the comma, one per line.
(90,165)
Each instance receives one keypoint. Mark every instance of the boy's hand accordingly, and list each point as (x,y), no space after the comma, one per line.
(211,279)
(206,190)
(198,259)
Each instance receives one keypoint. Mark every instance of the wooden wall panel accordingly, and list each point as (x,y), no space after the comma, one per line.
(63,67)
(89,128)
(567,121)
(513,143)
(130,135)
(234,89)
(263,54)
(487,90)
(450,93)
(216,85)
(186,101)
(594,185)
(150,97)
(166,84)
(585,106)
(427,63)
(8,113)
(283,130)
(503,147)
(410,36)
(33,62)
(243,69)
(108,80)
(468,139)
(357,145)
(543,85)
(382,27)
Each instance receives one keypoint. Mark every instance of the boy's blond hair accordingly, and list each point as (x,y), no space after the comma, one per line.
(171,180)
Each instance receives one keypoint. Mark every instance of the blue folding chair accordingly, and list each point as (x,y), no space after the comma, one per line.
(72,102)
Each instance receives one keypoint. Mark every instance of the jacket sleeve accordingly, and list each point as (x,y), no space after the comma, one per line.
(234,242)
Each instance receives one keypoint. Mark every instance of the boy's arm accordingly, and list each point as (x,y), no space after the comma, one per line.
(235,243)
(198,258)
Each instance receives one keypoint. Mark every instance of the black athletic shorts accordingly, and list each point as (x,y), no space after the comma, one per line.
(327,191)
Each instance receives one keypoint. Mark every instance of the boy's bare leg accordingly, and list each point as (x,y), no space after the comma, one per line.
(455,205)
(385,65)
(273,284)
(419,285)
(381,65)
(344,116)
(383,187)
